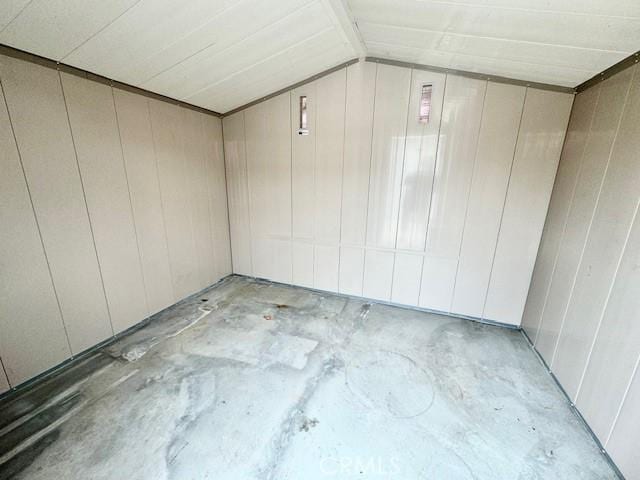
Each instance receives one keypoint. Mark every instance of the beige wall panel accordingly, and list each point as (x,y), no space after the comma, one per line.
(326,267)
(616,350)
(238,190)
(561,198)
(96,138)
(606,241)
(496,145)
(302,257)
(198,188)
(351,270)
(217,189)
(361,85)
(282,265)
(419,161)
(460,125)
(330,115)
(594,164)
(142,174)
(303,163)
(625,437)
(542,131)
(387,154)
(4,382)
(268,146)
(407,272)
(378,275)
(32,335)
(37,109)
(166,123)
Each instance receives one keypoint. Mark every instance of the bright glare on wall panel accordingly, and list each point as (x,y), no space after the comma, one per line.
(425,104)
(303,130)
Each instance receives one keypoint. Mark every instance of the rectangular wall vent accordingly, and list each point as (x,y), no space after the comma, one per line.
(303,130)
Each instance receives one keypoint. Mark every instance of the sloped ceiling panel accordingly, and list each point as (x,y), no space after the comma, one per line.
(562,42)
(217,54)
(221,54)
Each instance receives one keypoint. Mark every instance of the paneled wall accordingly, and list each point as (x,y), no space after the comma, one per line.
(583,310)
(112,205)
(445,215)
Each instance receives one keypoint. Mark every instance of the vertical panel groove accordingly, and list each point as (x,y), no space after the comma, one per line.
(162,207)
(84,197)
(404,155)
(35,217)
(133,217)
(593,214)
(248,180)
(226,193)
(344,141)
(366,214)
(622,402)
(606,302)
(504,203)
(565,223)
(433,181)
(466,208)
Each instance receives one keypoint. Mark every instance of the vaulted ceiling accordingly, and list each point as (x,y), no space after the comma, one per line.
(220,54)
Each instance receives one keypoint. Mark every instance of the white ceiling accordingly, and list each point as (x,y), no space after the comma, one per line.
(220,54)
(562,42)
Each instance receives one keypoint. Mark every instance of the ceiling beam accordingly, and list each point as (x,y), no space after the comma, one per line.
(343,18)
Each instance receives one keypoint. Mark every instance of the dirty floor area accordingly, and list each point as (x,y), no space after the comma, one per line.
(251,380)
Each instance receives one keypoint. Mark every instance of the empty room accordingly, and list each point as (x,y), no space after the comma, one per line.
(320,239)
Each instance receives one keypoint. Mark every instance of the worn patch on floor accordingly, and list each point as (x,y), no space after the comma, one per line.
(252,380)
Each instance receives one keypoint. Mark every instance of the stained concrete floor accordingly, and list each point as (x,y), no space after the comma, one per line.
(251,380)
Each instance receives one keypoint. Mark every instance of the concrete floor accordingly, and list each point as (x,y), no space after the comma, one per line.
(251,380)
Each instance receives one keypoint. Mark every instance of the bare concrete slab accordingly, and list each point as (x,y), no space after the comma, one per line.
(252,380)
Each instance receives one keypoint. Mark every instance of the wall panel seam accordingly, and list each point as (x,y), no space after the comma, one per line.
(404,156)
(433,184)
(622,401)
(133,217)
(504,201)
(35,218)
(466,208)
(248,181)
(86,206)
(564,225)
(593,215)
(366,214)
(624,248)
(162,209)
(186,184)
(210,214)
(344,142)
(291,192)
(226,192)
(4,370)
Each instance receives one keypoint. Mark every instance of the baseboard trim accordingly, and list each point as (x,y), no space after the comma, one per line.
(391,304)
(574,408)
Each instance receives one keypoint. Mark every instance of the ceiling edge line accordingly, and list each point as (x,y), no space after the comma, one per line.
(623,64)
(49,63)
(476,75)
(310,79)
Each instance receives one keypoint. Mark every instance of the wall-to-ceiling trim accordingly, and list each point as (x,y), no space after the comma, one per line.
(324,73)
(46,62)
(630,61)
(479,76)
